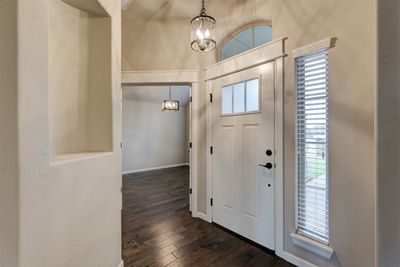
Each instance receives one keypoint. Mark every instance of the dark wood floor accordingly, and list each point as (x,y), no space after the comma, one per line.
(158,230)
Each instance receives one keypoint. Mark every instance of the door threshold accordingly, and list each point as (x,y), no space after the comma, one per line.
(245,239)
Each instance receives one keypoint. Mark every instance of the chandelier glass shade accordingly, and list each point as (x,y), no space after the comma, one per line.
(170,105)
(203,32)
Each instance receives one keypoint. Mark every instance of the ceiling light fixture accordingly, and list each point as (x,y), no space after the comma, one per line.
(203,31)
(170,105)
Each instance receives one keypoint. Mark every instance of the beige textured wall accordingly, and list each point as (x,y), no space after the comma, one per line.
(352,173)
(79,80)
(161,43)
(69,211)
(100,82)
(68,78)
(388,133)
(351,86)
(8,135)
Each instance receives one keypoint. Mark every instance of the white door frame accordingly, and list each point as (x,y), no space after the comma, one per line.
(270,52)
(184,77)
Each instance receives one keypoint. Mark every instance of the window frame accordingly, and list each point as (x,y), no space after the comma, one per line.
(299,238)
(299,231)
(258,78)
(233,33)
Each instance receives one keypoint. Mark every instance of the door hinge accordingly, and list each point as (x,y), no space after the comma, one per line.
(211,150)
(211,201)
(190,191)
(120,144)
(190,99)
(190,145)
(211,98)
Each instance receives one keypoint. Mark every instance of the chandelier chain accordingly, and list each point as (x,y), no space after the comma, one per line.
(203,9)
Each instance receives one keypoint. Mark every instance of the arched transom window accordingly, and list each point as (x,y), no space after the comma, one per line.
(244,38)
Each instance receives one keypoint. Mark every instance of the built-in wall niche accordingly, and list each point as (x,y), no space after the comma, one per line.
(80,89)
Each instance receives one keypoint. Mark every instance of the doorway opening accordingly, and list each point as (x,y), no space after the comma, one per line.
(157,173)
(153,137)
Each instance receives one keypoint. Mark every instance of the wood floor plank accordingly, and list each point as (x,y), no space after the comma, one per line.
(158,229)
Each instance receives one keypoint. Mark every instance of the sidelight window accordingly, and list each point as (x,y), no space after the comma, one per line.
(312,145)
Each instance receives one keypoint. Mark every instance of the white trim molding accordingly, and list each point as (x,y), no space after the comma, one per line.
(249,59)
(121,263)
(160,76)
(203,216)
(195,114)
(312,245)
(293,259)
(271,52)
(209,164)
(156,168)
(279,154)
(323,44)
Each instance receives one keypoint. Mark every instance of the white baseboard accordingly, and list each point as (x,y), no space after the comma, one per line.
(202,216)
(293,259)
(121,264)
(156,168)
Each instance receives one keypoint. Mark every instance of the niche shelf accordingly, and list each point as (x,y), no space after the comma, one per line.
(80,79)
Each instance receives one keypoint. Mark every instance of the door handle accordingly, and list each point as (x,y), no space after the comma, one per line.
(268,165)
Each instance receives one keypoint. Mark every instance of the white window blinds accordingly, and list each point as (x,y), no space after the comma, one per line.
(312,145)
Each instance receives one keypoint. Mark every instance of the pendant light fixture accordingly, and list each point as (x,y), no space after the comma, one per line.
(203,31)
(170,105)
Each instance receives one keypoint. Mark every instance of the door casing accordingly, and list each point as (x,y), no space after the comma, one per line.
(270,52)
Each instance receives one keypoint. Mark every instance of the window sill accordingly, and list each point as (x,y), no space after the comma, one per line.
(312,245)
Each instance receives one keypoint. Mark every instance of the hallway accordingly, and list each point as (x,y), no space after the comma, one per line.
(158,230)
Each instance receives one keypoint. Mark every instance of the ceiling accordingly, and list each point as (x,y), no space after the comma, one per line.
(91,6)
(156,94)
(173,9)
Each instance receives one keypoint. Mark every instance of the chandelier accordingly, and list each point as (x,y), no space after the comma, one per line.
(170,105)
(203,31)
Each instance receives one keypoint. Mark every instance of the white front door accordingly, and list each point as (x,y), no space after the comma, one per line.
(243,153)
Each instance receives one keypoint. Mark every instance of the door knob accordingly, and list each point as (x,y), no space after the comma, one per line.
(268,165)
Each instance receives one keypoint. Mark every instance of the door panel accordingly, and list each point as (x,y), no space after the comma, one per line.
(225,178)
(243,191)
(227,162)
(250,183)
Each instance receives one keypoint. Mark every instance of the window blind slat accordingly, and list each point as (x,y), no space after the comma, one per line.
(312,145)
(309,82)
(323,83)
(317,67)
